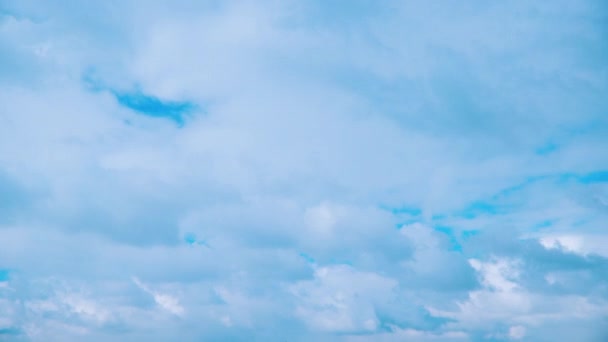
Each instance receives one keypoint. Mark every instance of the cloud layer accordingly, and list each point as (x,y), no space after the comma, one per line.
(298,170)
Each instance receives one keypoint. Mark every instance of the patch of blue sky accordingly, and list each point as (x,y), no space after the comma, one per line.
(4,275)
(153,106)
(543,224)
(455,245)
(425,320)
(491,205)
(141,102)
(434,322)
(594,177)
(192,240)
(309,259)
(518,187)
(413,211)
(479,208)
(466,234)
(10,331)
(599,176)
(405,214)
(437,217)
(403,223)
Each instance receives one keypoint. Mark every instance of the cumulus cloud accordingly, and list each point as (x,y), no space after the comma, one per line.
(297,170)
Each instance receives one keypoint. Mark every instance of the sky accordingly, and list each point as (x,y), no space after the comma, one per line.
(301,170)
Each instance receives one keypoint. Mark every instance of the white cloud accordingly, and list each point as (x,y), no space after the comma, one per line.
(165,301)
(321,219)
(583,244)
(340,299)
(517,332)
(503,300)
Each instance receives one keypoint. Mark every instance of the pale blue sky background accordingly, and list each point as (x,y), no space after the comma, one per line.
(303,170)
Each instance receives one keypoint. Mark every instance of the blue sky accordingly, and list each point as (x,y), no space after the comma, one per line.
(304,170)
